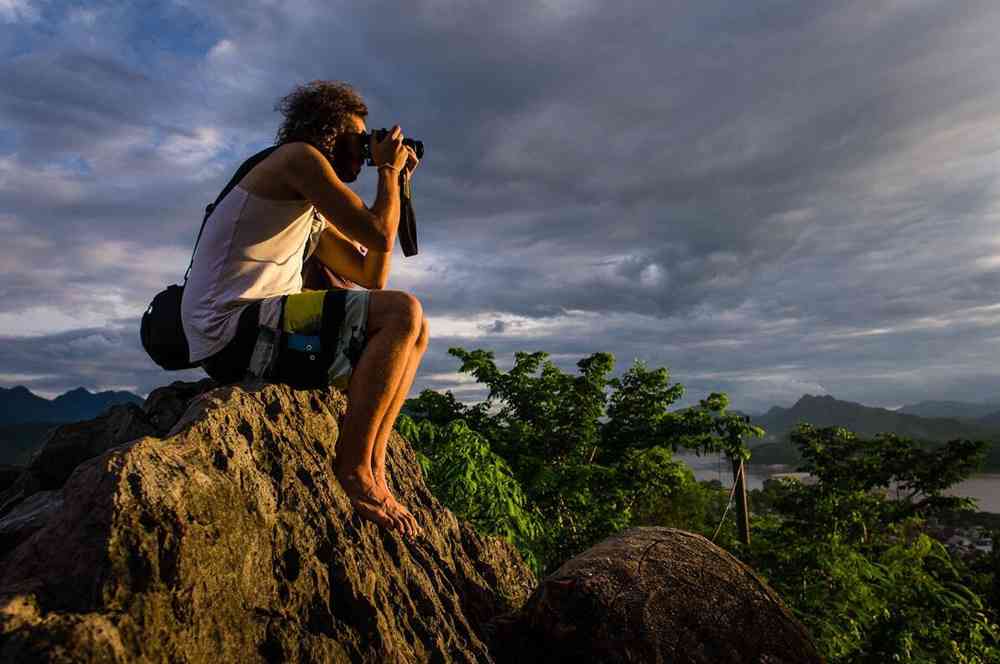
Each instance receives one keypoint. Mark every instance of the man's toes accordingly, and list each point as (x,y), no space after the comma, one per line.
(404,525)
(374,512)
(412,524)
(399,523)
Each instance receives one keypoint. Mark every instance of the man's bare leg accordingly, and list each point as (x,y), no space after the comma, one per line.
(385,429)
(372,387)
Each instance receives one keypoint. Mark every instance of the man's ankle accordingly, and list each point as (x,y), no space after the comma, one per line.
(360,473)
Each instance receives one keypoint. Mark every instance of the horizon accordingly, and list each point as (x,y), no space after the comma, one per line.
(52,396)
(768,200)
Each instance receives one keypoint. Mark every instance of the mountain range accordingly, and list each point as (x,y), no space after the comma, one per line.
(945,420)
(964,420)
(956,409)
(25,418)
(19,405)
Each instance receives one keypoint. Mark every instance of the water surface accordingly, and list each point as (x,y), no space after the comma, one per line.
(984,487)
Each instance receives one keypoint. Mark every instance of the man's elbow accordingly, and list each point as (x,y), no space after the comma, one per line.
(373,283)
(385,243)
(380,282)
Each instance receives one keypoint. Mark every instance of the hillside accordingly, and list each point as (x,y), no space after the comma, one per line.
(19,441)
(826,411)
(865,421)
(959,410)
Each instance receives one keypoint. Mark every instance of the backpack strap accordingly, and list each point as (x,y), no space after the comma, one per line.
(240,173)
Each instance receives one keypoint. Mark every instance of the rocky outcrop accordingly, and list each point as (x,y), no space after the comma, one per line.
(655,595)
(207,526)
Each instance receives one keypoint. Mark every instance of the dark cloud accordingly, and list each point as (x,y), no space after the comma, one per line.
(768,198)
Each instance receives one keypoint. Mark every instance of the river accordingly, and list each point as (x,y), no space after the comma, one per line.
(984,487)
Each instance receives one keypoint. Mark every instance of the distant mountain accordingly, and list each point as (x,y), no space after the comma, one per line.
(18,405)
(79,404)
(826,411)
(865,421)
(959,410)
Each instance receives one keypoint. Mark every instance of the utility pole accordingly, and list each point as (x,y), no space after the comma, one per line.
(742,513)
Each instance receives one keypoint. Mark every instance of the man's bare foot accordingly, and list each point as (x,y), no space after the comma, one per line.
(366,501)
(382,493)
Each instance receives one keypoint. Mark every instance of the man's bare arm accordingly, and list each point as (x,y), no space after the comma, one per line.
(377,267)
(310,174)
(337,252)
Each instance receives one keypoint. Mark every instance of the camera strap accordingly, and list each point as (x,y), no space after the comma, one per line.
(407,219)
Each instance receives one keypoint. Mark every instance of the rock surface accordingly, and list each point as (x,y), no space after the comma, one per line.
(655,595)
(208,527)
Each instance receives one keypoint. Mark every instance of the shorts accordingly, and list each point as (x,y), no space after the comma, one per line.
(318,341)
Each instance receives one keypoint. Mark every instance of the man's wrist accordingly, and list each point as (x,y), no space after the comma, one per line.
(389,177)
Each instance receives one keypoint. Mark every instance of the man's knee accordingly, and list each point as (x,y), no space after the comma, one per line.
(424,336)
(395,309)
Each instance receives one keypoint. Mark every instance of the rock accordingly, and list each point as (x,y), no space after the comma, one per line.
(230,540)
(29,516)
(165,405)
(70,444)
(654,595)
(25,485)
(8,474)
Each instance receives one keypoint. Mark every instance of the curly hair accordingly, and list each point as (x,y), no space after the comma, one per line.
(318,112)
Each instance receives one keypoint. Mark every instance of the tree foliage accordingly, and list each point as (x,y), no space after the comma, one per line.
(848,552)
(556,462)
(474,482)
(592,454)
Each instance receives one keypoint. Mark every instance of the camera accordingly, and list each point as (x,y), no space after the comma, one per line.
(379,135)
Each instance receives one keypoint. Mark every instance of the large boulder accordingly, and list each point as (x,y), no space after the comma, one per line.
(223,536)
(654,595)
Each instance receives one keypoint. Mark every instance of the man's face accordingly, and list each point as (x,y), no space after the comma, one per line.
(347,159)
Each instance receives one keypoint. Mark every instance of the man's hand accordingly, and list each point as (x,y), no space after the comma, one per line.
(390,150)
(411,161)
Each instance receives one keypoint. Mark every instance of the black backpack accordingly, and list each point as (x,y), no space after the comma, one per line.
(161,330)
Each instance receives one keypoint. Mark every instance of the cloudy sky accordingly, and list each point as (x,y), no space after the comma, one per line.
(769,198)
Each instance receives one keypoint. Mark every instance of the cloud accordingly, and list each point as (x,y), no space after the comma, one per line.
(766,198)
(18,11)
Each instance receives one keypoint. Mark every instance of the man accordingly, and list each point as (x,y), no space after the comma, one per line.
(367,341)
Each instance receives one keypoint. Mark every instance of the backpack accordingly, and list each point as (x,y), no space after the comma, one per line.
(161,329)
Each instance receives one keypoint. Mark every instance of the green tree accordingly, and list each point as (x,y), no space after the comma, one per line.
(850,557)
(473,482)
(593,454)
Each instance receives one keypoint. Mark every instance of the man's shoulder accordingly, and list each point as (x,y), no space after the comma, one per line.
(299,150)
(270,178)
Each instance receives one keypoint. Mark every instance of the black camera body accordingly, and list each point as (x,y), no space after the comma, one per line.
(379,135)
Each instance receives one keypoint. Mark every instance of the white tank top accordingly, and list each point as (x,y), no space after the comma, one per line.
(251,249)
